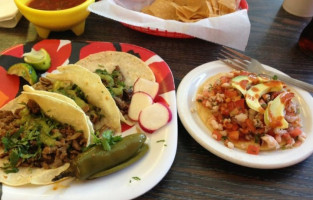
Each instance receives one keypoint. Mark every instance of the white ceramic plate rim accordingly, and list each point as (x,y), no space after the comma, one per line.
(265,160)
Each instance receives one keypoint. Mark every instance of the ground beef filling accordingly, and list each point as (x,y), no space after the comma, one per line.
(43,84)
(7,122)
(123,102)
(66,147)
(117,80)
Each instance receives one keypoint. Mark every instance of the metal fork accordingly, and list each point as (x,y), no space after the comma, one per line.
(240,61)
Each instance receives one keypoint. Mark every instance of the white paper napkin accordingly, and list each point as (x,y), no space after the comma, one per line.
(231,30)
(9,14)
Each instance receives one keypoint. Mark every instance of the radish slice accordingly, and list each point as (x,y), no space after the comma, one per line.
(154,117)
(139,101)
(147,86)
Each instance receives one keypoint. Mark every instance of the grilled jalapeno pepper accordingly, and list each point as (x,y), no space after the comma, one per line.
(142,151)
(96,160)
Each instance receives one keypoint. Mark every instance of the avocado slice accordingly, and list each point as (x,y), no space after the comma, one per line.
(274,113)
(255,92)
(241,83)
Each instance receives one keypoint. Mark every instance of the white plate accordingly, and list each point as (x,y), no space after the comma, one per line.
(120,185)
(186,94)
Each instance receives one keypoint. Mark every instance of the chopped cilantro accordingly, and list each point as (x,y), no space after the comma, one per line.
(106,139)
(136,178)
(114,82)
(29,140)
(257,138)
(210,87)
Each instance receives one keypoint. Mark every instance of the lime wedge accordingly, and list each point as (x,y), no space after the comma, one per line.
(25,71)
(40,59)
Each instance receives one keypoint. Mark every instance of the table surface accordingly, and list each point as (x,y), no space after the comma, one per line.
(196,173)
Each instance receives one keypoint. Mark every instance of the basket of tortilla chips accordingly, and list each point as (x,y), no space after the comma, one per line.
(218,21)
(186,11)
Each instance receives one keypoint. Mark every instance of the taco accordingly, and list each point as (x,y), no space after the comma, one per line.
(87,91)
(118,72)
(40,135)
(250,112)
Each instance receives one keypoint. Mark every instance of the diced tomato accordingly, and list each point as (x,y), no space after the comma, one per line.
(253,149)
(231,126)
(217,135)
(271,132)
(244,131)
(224,110)
(224,79)
(275,94)
(231,105)
(218,117)
(233,135)
(244,73)
(230,93)
(287,137)
(286,97)
(228,125)
(250,125)
(295,132)
(235,127)
(240,104)
(218,89)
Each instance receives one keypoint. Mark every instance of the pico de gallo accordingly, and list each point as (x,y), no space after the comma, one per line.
(250,112)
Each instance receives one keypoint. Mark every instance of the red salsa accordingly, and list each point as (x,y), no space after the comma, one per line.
(54,4)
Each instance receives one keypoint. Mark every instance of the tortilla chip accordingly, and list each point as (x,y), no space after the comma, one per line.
(214,4)
(162,9)
(147,11)
(210,7)
(227,6)
(185,13)
(182,2)
(189,11)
